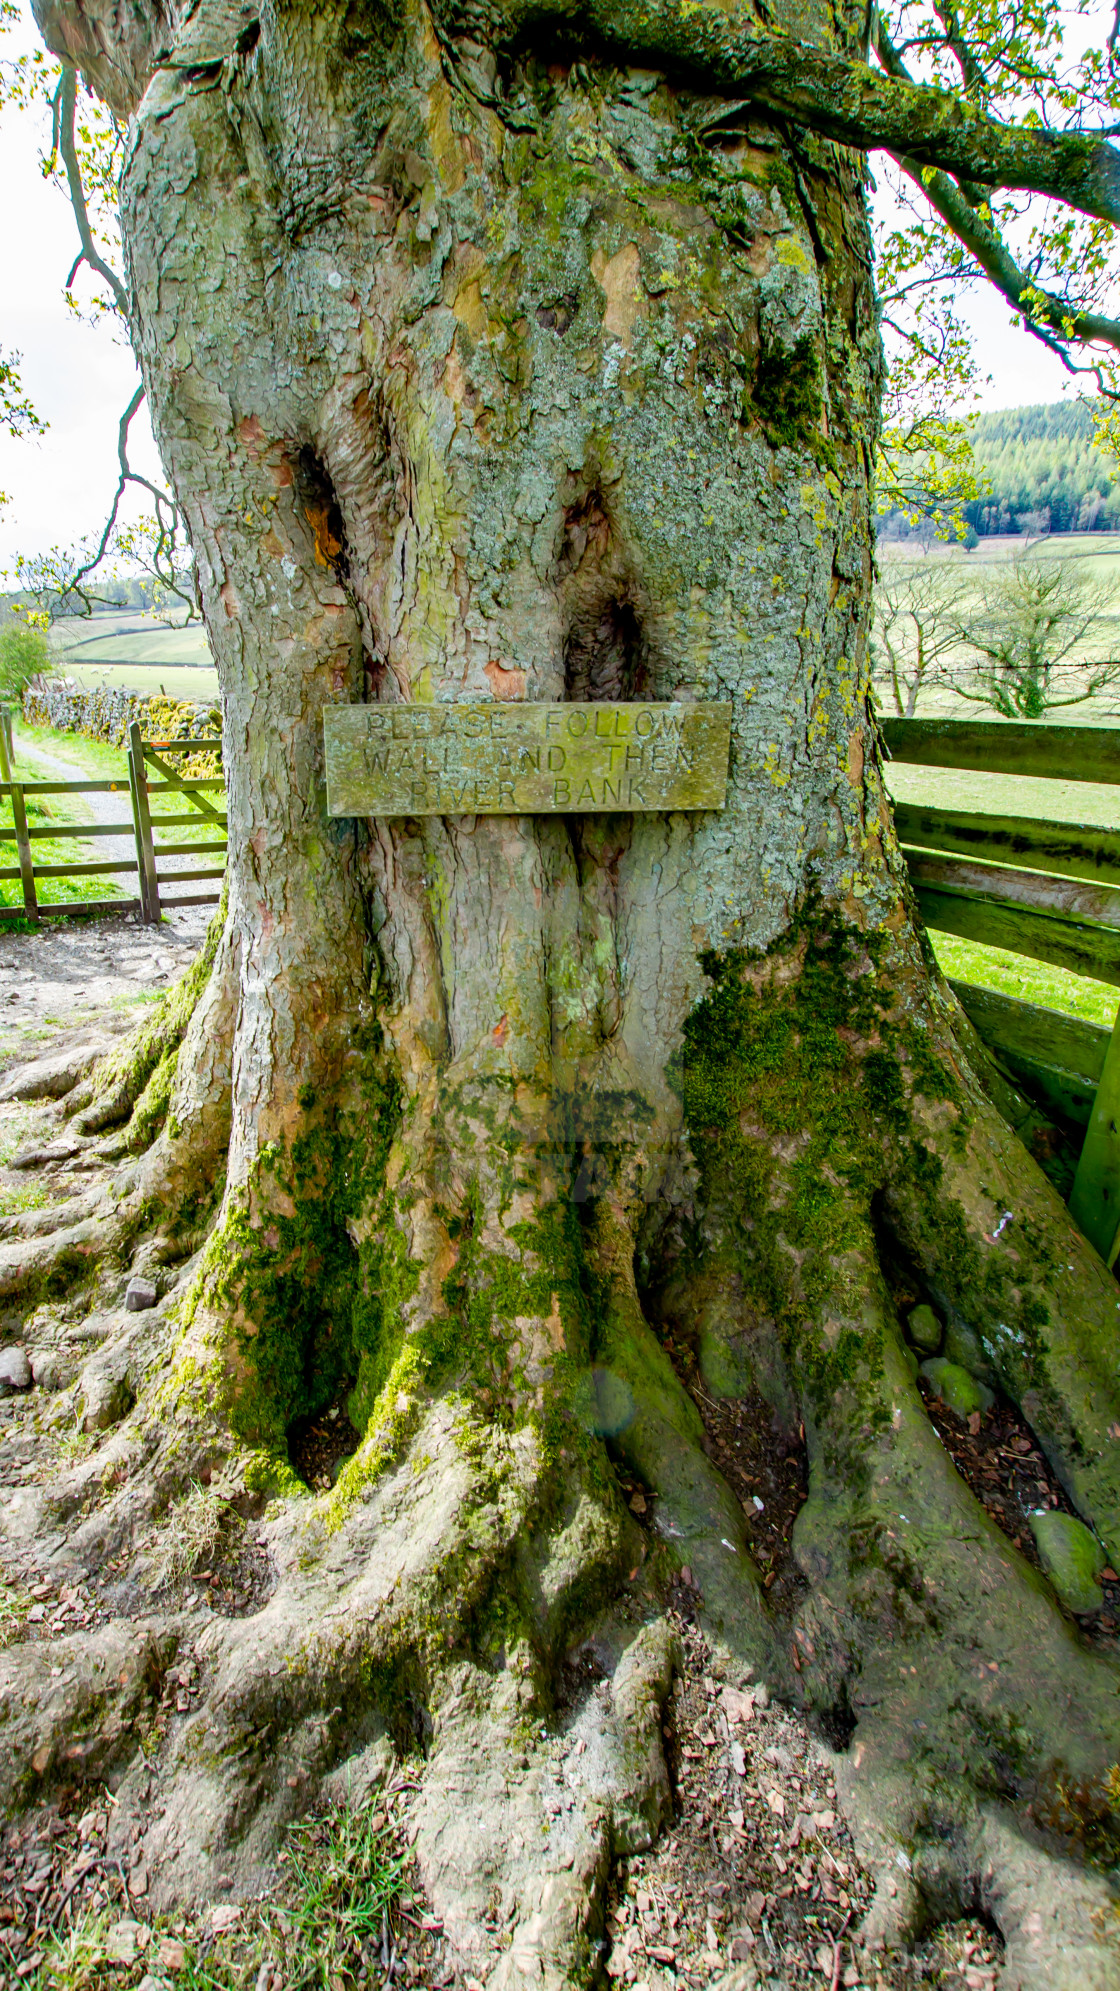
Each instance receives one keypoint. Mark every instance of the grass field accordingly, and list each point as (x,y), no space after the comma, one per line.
(131,636)
(1097,553)
(135,651)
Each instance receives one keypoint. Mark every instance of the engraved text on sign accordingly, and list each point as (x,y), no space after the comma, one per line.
(502,757)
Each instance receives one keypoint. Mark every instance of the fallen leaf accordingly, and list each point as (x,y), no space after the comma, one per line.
(974,1423)
(41,1758)
(637,1503)
(824,1959)
(171,1955)
(777,1803)
(223,1917)
(686,1576)
(824,1820)
(739,1765)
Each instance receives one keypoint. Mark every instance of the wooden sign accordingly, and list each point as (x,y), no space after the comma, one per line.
(504,758)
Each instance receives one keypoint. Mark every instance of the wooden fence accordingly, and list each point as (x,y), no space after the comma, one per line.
(157,886)
(1045,889)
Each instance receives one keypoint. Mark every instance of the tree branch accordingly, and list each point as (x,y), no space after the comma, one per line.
(845,99)
(1053,319)
(167,522)
(67,100)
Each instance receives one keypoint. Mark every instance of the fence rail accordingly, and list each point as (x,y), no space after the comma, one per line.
(1040,888)
(156,888)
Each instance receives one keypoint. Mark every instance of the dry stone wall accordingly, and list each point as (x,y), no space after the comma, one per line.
(105,712)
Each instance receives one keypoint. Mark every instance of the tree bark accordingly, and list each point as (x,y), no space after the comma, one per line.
(488,375)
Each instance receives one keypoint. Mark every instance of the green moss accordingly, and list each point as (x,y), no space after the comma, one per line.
(1072,1558)
(814,1067)
(317,1309)
(786,393)
(391,1421)
(150,1110)
(143,1069)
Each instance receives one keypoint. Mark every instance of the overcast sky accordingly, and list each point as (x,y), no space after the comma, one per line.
(81,377)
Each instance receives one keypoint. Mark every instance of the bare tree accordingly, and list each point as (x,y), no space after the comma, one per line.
(1038,637)
(916,629)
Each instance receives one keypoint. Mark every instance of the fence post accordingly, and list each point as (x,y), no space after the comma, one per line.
(23,845)
(1094,1202)
(7,756)
(142,822)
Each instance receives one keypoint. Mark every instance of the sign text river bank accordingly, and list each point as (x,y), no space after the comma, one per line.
(507,758)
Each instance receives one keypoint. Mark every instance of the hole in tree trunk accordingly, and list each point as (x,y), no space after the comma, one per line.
(318,501)
(603,649)
(603,658)
(319,1446)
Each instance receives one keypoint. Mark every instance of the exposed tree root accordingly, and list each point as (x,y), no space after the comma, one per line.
(426,1603)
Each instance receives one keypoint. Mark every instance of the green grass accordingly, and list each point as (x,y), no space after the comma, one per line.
(89,758)
(136,653)
(127,633)
(1031,981)
(149,679)
(343,1882)
(41,811)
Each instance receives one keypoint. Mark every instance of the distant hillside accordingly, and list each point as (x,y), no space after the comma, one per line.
(1042,459)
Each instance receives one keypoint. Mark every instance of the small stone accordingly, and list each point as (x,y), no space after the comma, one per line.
(925,1329)
(963,1394)
(139,1294)
(123,1941)
(1072,1558)
(15,1369)
(171,1955)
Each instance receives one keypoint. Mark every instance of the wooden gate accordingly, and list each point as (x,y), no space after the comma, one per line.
(156,885)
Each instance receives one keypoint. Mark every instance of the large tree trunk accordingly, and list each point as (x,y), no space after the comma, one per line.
(487,373)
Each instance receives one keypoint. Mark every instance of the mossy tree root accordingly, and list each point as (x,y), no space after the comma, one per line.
(835,1119)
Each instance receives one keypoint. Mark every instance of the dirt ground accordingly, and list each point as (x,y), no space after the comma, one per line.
(73,972)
